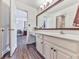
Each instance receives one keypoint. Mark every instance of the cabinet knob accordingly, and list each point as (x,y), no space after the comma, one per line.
(54,50)
(2,30)
(51,48)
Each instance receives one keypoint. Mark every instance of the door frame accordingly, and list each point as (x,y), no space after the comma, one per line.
(10,24)
(10,29)
(27,14)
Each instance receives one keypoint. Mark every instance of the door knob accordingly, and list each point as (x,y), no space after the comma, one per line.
(2,30)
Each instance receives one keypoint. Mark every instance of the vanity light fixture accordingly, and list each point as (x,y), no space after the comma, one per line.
(41,7)
(45,4)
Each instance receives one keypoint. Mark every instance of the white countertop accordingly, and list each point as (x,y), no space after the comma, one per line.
(65,36)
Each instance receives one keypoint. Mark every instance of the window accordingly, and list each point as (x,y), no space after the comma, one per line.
(21,19)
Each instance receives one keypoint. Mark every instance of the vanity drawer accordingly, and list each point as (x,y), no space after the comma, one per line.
(64,43)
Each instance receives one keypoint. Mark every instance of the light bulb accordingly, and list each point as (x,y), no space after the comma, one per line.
(42,7)
(50,1)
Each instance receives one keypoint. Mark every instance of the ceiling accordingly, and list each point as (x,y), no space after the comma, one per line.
(33,3)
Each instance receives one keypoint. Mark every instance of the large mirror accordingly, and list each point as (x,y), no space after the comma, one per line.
(64,14)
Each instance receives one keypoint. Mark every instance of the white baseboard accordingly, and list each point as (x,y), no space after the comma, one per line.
(5,51)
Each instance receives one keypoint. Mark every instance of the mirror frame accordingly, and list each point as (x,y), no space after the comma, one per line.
(59,1)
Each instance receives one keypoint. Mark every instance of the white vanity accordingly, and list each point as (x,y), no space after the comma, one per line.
(53,45)
(57,46)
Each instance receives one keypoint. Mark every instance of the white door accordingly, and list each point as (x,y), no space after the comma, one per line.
(4,26)
(1,33)
(13,32)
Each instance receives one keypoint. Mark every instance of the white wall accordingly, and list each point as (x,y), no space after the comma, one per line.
(5,23)
(0,31)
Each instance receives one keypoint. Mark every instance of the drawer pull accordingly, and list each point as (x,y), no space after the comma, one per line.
(54,50)
(51,48)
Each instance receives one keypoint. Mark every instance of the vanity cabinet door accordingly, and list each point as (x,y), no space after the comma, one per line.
(62,55)
(52,54)
(47,51)
(39,47)
(39,44)
(56,54)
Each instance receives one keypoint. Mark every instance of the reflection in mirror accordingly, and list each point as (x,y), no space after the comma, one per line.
(60,16)
(60,21)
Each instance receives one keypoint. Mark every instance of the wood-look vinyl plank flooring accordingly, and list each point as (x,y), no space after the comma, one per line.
(24,51)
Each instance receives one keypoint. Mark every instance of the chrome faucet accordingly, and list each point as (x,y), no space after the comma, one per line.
(61,32)
(43,25)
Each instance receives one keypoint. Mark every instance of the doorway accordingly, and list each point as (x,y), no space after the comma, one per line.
(21,26)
